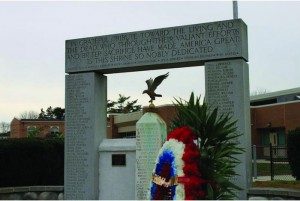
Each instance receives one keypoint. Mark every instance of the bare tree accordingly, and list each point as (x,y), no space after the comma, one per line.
(259,91)
(29,115)
(4,127)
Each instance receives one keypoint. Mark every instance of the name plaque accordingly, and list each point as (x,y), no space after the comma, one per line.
(76,149)
(82,135)
(151,132)
(222,80)
(227,87)
(172,47)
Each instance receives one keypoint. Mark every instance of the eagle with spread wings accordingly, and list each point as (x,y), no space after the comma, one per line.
(152,85)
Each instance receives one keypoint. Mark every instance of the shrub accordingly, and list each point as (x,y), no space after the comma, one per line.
(293,140)
(31,162)
(217,143)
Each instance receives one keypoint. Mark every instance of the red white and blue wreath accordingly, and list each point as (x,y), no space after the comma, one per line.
(176,175)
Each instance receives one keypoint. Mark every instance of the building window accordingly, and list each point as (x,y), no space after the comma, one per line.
(275,136)
(128,134)
(54,130)
(266,138)
(32,131)
(281,138)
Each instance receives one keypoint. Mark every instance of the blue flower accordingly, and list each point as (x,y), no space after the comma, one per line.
(166,157)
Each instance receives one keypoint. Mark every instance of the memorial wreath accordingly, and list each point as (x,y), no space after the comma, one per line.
(198,158)
(176,175)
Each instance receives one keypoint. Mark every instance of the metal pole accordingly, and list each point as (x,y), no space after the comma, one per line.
(271,162)
(254,162)
(235,9)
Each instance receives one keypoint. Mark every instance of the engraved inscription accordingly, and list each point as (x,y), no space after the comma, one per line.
(76,149)
(148,142)
(226,89)
(221,79)
(161,46)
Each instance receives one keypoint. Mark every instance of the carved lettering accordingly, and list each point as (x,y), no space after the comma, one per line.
(78,122)
(162,46)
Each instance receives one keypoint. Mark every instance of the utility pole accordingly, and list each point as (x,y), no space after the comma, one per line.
(235,9)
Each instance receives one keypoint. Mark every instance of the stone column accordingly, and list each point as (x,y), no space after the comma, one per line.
(227,87)
(151,133)
(85,127)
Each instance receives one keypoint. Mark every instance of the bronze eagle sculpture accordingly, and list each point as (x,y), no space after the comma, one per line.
(152,85)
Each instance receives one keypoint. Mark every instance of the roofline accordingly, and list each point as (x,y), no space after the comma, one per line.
(43,120)
(159,106)
(275,94)
(275,104)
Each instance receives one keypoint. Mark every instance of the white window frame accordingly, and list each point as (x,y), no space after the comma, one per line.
(56,131)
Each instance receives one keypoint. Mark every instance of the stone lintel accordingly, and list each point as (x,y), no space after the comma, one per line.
(174,47)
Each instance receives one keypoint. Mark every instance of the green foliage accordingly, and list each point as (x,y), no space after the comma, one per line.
(31,162)
(123,105)
(56,113)
(263,169)
(217,142)
(293,139)
(34,132)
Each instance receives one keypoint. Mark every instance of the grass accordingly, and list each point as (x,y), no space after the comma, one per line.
(277,184)
(263,169)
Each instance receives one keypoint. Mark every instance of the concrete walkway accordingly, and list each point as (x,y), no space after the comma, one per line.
(273,194)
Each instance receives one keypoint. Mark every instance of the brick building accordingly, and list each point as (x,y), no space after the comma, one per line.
(123,125)
(272,116)
(20,128)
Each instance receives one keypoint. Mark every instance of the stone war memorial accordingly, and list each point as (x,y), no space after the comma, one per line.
(222,47)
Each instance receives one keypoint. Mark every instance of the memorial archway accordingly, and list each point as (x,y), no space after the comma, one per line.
(221,47)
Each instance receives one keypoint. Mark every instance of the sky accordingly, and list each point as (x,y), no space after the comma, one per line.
(33,35)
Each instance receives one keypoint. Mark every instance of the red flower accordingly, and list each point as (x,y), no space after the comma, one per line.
(183,134)
(174,134)
(191,170)
(194,189)
(191,154)
(195,185)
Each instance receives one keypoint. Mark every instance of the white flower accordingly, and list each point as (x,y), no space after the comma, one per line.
(179,194)
(177,148)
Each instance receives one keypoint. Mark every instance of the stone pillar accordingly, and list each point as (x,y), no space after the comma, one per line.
(85,127)
(151,133)
(227,87)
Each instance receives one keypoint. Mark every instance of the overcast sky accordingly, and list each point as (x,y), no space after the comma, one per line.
(33,34)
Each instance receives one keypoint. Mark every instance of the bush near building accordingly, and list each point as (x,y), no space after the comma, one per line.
(31,162)
(293,140)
